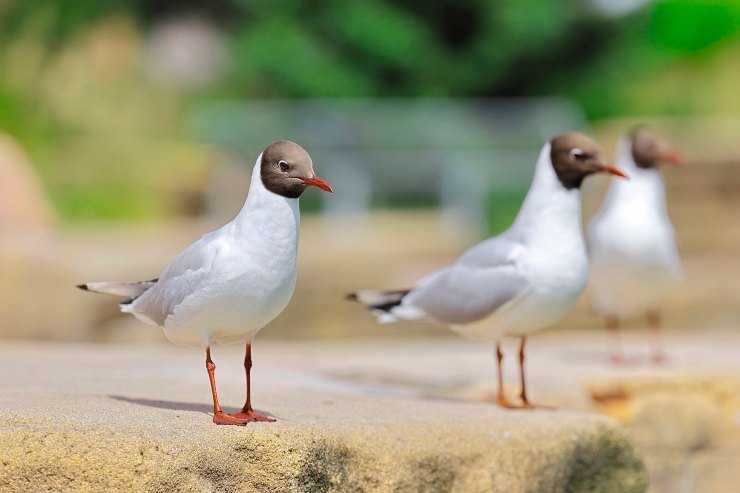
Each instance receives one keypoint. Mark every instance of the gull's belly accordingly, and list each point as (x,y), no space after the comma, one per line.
(246,290)
(242,316)
(552,293)
(625,288)
(232,311)
(541,309)
(629,277)
(558,277)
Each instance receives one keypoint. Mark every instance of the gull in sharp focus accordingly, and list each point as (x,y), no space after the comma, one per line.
(232,282)
(631,242)
(521,281)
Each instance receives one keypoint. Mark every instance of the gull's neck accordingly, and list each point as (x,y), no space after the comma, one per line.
(644,190)
(266,214)
(550,212)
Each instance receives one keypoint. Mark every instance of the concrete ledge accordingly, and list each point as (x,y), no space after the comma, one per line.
(102,418)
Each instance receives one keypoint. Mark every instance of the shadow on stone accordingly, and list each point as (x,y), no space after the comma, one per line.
(177,406)
(601,358)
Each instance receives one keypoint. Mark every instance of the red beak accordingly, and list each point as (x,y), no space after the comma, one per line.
(318,183)
(615,171)
(673,157)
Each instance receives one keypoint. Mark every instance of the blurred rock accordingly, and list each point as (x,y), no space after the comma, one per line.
(34,291)
(187,53)
(40,271)
(716,472)
(684,425)
(684,422)
(23,202)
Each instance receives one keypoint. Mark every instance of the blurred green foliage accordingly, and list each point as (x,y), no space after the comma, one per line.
(690,26)
(74,91)
(474,49)
(409,48)
(502,208)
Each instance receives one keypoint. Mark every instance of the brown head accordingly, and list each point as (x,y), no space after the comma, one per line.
(650,149)
(287,170)
(574,156)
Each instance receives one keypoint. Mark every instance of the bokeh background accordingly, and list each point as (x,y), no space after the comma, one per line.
(129,128)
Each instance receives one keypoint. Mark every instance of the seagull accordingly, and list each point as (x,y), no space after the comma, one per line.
(633,250)
(232,282)
(520,281)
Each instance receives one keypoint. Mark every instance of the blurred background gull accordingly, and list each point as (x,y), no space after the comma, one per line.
(127,130)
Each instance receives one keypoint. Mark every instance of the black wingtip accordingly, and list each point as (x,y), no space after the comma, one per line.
(351,297)
(83,287)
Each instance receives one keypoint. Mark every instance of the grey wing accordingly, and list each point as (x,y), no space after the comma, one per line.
(180,279)
(483,280)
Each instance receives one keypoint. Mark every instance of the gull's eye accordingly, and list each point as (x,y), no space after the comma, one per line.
(283,166)
(578,154)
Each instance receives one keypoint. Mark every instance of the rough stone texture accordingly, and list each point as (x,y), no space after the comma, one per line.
(102,418)
(686,424)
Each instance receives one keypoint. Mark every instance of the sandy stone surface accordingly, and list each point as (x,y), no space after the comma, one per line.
(136,418)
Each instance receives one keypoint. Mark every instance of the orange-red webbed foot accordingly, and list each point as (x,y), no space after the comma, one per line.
(530,405)
(228,419)
(253,416)
(505,403)
(658,358)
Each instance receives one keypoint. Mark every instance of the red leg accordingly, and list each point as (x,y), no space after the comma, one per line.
(247,412)
(615,354)
(501,399)
(653,318)
(218,416)
(525,400)
(526,404)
